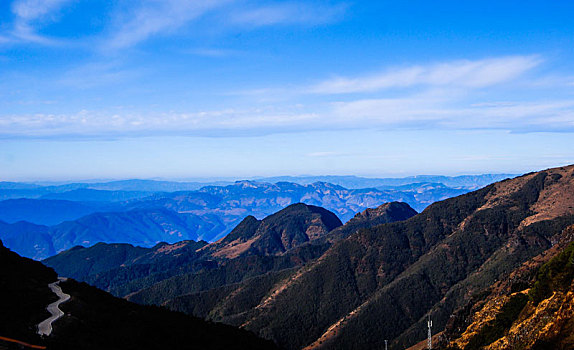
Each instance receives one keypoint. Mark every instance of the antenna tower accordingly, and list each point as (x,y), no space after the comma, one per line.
(429,341)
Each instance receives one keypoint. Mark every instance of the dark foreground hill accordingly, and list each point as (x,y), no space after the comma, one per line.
(96,320)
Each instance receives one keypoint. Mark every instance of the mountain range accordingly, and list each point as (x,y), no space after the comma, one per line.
(352,286)
(114,214)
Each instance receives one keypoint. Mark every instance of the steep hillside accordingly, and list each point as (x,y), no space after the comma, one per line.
(123,261)
(24,295)
(533,309)
(96,320)
(382,283)
(277,245)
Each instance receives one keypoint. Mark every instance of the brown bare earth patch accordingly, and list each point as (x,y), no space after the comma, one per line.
(334,329)
(556,199)
(235,248)
(422,345)
(170,248)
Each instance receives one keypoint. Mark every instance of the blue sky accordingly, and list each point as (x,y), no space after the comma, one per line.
(229,88)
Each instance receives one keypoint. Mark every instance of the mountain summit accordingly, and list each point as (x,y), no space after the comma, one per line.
(291,227)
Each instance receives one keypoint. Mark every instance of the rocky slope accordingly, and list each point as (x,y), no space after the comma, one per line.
(532,309)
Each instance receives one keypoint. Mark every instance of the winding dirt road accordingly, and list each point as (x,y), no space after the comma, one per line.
(45,327)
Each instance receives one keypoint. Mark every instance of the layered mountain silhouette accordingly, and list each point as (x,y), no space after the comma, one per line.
(96,320)
(382,281)
(86,214)
(142,227)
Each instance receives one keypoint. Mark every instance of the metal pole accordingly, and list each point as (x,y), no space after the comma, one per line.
(429,342)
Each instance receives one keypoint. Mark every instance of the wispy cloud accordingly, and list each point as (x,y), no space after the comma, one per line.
(447,100)
(214,52)
(384,114)
(127,24)
(154,17)
(289,13)
(94,74)
(327,154)
(465,73)
(30,10)
(29,15)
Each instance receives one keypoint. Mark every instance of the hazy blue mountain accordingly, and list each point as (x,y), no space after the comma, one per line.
(141,227)
(133,185)
(205,214)
(6,185)
(30,240)
(243,198)
(47,212)
(464,181)
(85,194)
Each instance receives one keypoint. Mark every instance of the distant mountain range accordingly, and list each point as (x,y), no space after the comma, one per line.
(131,212)
(10,190)
(482,266)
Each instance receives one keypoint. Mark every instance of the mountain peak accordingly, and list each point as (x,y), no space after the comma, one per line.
(398,211)
(277,233)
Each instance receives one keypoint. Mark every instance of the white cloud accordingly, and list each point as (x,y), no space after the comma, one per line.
(29,15)
(417,112)
(288,13)
(157,16)
(447,101)
(326,154)
(96,74)
(30,10)
(213,52)
(466,73)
